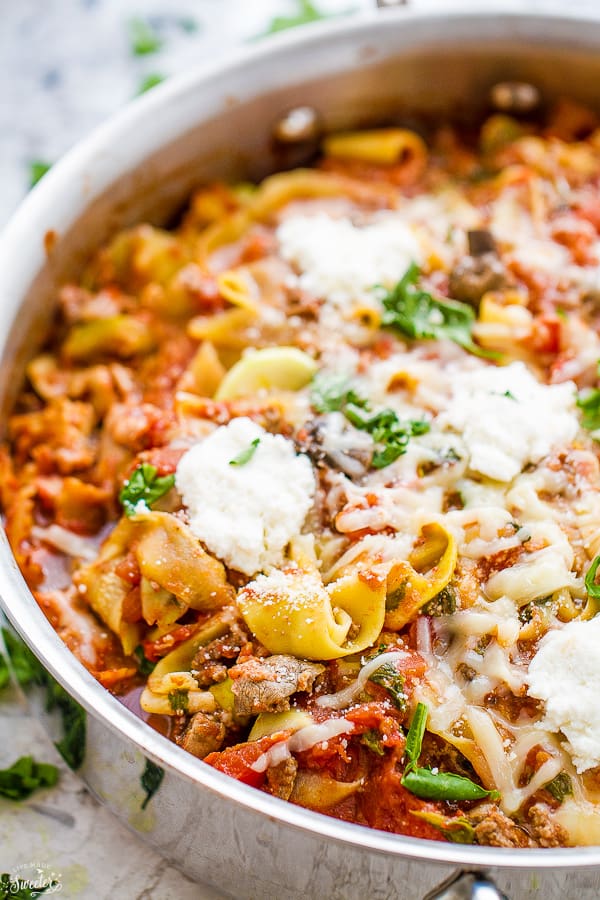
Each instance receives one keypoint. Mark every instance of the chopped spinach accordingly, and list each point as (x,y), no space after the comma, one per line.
(560,787)
(372,741)
(143,37)
(443,604)
(145,666)
(456,829)
(387,676)
(179,701)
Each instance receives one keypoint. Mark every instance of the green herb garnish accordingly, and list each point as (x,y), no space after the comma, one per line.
(391,436)
(429,785)
(333,392)
(26,776)
(149,82)
(560,787)
(143,38)
(145,666)
(387,676)
(456,829)
(179,701)
(150,779)
(145,487)
(37,170)
(443,604)
(418,315)
(372,741)
(307,12)
(589,402)
(591,587)
(246,455)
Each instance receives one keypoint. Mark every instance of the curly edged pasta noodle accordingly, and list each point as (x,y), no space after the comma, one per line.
(315,476)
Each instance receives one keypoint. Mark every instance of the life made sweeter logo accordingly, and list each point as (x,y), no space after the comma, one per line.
(39,878)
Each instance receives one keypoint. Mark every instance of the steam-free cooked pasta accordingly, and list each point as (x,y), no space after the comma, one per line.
(313,479)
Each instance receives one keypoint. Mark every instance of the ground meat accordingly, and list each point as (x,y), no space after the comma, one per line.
(281,778)
(495,829)
(546,832)
(265,685)
(209,664)
(204,735)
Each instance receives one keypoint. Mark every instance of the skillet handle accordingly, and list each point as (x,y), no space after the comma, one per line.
(389,4)
(466,886)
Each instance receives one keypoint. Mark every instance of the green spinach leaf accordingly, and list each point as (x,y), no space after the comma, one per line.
(26,776)
(144,487)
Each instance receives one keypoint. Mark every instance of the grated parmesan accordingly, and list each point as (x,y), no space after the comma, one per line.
(246,514)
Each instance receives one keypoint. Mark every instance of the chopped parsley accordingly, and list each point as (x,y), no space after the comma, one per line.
(143,37)
(418,315)
(387,676)
(150,780)
(430,785)
(144,487)
(149,82)
(37,170)
(246,455)
(26,776)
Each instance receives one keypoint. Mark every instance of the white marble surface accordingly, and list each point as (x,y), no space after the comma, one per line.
(65,65)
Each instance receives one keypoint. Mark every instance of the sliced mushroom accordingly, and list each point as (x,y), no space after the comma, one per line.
(333,441)
(481,241)
(474,276)
(265,685)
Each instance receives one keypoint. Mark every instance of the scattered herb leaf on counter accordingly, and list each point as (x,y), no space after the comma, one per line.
(560,787)
(145,487)
(246,455)
(25,776)
(150,81)
(418,315)
(151,779)
(307,12)
(387,676)
(430,785)
(143,37)
(16,888)
(145,665)
(37,170)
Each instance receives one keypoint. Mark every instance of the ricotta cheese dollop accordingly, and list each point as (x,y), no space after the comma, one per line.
(342,262)
(508,419)
(247,513)
(565,673)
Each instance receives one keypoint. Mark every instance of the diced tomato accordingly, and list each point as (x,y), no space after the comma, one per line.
(386,805)
(155,650)
(237,761)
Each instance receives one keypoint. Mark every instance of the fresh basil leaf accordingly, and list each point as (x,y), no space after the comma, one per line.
(418,315)
(145,487)
(37,170)
(372,741)
(414,738)
(179,701)
(143,38)
(591,587)
(145,666)
(331,392)
(25,776)
(151,779)
(456,829)
(246,455)
(428,785)
(149,82)
(560,787)
(589,402)
(387,676)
